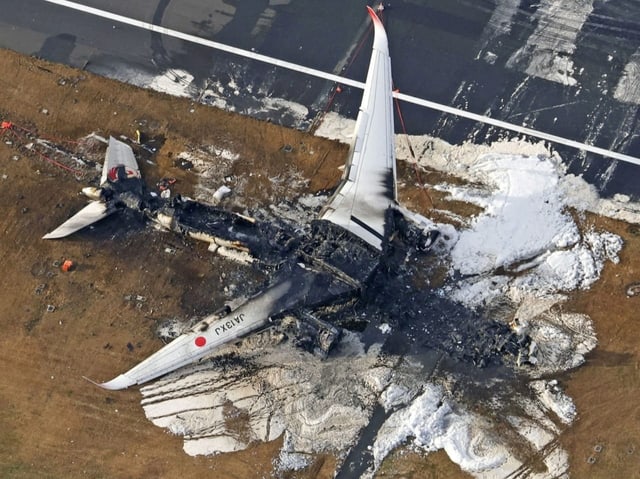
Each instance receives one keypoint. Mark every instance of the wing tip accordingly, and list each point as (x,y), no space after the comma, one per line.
(121,382)
(380,37)
(56,234)
(374,16)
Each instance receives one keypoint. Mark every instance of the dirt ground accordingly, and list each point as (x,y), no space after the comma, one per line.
(54,424)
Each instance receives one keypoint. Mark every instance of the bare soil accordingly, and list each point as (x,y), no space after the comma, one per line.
(54,424)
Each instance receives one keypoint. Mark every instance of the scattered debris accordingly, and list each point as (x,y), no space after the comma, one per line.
(183,163)
(136,297)
(221,193)
(71,157)
(165,183)
(135,301)
(170,329)
(67,265)
(633,289)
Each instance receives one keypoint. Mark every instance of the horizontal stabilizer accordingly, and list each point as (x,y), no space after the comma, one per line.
(94,211)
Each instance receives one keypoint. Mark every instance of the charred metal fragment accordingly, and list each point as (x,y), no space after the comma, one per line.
(342,251)
(313,334)
(410,233)
(268,242)
(422,320)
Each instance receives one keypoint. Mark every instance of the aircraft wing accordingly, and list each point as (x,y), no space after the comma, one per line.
(119,154)
(368,186)
(210,334)
(180,352)
(297,286)
(94,211)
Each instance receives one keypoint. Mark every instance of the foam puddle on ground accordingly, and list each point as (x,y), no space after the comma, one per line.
(524,250)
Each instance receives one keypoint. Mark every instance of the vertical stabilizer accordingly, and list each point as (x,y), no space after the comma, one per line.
(118,154)
(368,186)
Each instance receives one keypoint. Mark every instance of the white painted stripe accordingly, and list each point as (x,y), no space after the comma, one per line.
(519,129)
(344,81)
(205,42)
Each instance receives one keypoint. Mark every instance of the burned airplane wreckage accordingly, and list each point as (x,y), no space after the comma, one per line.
(353,267)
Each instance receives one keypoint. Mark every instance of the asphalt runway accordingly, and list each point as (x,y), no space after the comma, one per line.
(558,69)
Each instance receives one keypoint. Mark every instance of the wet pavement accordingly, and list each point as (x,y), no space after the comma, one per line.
(557,69)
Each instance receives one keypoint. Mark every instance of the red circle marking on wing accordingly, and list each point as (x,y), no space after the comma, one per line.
(201,341)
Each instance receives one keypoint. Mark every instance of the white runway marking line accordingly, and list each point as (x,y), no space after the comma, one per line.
(207,43)
(519,129)
(344,81)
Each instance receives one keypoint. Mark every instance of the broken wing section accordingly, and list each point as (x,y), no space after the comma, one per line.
(368,185)
(119,154)
(94,211)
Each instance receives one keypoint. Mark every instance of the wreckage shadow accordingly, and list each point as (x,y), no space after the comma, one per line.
(608,359)
(121,225)
(82,267)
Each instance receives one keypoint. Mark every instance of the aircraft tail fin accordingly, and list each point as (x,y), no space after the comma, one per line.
(94,211)
(119,154)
